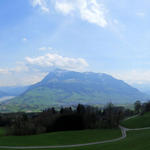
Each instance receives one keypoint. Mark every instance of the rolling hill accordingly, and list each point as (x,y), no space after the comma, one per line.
(61,87)
(139,121)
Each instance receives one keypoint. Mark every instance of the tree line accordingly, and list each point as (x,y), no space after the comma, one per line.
(141,108)
(52,120)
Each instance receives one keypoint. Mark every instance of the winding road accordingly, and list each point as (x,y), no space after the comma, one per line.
(123,131)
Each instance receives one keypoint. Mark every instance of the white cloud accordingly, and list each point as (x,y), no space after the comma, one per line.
(20,75)
(33,70)
(42,48)
(45,48)
(24,39)
(64,7)
(89,10)
(140,14)
(21,67)
(93,12)
(41,3)
(54,60)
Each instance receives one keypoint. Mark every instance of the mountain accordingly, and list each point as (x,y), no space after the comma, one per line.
(61,87)
(14,90)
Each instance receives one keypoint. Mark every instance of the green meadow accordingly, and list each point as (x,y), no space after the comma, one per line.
(60,138)
(136,140)
(140,121)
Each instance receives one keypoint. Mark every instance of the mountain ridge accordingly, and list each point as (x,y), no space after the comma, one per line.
(62,87)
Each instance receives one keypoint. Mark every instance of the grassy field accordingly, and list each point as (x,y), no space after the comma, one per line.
(136,140)
(59,138)
(2,132)
(138,122)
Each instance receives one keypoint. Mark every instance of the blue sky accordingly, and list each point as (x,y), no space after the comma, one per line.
(84,35)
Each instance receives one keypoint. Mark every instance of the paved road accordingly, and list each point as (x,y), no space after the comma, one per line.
(131,117)
(123,131)
(137,129)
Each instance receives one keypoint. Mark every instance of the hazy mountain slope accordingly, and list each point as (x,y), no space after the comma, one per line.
(62,87)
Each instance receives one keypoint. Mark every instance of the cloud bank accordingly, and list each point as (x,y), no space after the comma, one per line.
(41,3)
(54,60)
(33,70)
(88,10)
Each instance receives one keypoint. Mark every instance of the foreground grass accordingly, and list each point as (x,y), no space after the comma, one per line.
(138,121)
(60,138)
(2,132)
(136,140)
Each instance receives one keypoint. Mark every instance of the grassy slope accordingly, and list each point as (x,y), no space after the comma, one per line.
(136,140)
(60,138)
(138,122)
(46,96)
(42,97)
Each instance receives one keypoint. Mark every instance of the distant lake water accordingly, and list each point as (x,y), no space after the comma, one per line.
(6,98)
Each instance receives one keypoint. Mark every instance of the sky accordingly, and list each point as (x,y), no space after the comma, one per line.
(105,36)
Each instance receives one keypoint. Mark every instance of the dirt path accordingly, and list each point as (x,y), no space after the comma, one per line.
(123,131)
